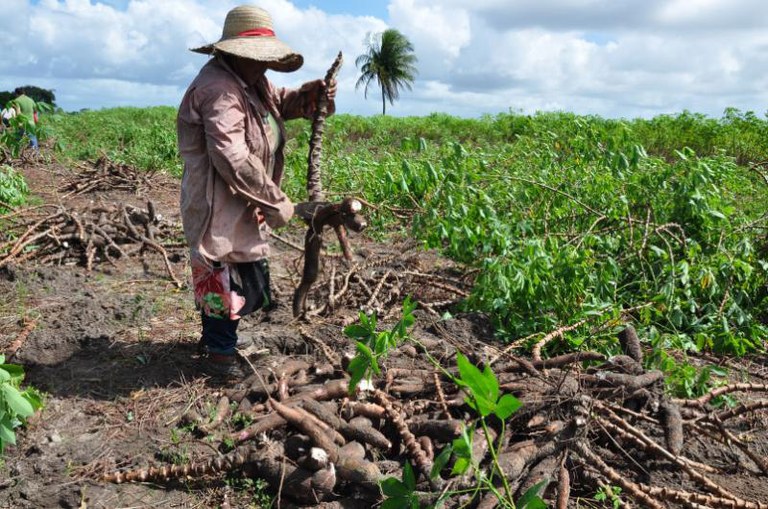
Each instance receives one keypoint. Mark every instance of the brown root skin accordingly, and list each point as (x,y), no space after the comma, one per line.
(308,427)
(630,344)
(563,484)
(673,426)
(443,430)
(367,435)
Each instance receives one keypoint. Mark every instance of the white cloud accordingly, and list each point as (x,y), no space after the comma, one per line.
(607,57)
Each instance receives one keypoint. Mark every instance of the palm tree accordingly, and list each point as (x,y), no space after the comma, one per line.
(389,59)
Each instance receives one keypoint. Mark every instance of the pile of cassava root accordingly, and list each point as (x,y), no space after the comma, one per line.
(588,424)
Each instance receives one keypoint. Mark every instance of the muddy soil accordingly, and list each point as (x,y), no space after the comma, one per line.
(115,351)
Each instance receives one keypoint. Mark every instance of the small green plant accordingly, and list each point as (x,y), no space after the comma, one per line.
(372,346)
(13,188)
(609,494)
(483,396)
(16,405)
(258,489)
(400,494)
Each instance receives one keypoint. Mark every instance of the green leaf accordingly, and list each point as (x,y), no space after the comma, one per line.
(16,371)
(461,466)
(507,405)
(16,401)
(356,331)
(440,461)
(483,385)
(356,369)
(395,503)
(531,499)
(4,376)
(7,436)
(392,487)
(34,397)
(409,477)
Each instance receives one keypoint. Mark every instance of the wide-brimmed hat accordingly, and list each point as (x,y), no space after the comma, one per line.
(248,33)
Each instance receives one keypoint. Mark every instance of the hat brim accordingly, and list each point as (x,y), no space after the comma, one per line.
(276,54)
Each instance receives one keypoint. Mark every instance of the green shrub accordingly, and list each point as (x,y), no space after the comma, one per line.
(16,405)
(13,188)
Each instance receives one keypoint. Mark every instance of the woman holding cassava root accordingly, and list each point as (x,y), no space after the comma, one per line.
(231,138)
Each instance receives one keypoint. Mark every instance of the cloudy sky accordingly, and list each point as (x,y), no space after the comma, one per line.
(614,58)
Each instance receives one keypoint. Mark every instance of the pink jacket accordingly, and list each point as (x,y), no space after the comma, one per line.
(224,140)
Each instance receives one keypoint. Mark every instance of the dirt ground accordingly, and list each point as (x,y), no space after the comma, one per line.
(114,350)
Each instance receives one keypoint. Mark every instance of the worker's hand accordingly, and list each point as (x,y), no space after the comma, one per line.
(330,91)
(307,209)
(315,89)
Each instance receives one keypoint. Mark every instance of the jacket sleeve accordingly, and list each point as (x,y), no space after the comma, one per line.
(223,116)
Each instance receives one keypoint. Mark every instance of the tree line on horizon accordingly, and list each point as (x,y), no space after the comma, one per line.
(37,94)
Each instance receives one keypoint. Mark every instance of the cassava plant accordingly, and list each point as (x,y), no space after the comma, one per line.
(16,404)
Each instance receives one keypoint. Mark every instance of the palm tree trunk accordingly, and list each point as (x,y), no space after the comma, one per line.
(383,101)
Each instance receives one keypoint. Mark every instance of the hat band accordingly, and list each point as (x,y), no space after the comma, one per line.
(257,32)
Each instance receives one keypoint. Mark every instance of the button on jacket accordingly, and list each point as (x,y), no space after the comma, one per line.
(230,169)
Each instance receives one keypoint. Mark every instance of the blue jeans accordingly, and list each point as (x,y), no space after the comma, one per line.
(219,334)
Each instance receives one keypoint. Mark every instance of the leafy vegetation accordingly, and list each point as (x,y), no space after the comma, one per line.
(568,219)
(483,396)
(13,188)
(16,405)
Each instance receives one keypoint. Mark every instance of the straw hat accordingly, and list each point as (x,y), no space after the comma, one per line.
(248,33)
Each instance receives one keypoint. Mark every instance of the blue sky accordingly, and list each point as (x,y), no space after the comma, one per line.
(614,58)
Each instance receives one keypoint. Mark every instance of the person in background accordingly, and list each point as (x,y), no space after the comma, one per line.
(231,136)
(26,106)
(7,114)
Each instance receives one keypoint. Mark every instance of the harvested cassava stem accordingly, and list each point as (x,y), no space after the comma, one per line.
(412,447)
(719,391)
(314,183)
(631,488)
(684,464)
(687,497)
(441,395)
(536,351)
(744,408)
(234,459)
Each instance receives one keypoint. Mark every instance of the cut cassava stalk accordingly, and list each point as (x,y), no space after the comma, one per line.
(314,182)
(720,391)
(632,489)
(687,497)
(233,460)
(420,460)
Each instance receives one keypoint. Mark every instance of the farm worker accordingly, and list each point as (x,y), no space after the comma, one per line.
(231,137)
(25,105)
(8,113)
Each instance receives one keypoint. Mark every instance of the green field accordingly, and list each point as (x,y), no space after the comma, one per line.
(566,218)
